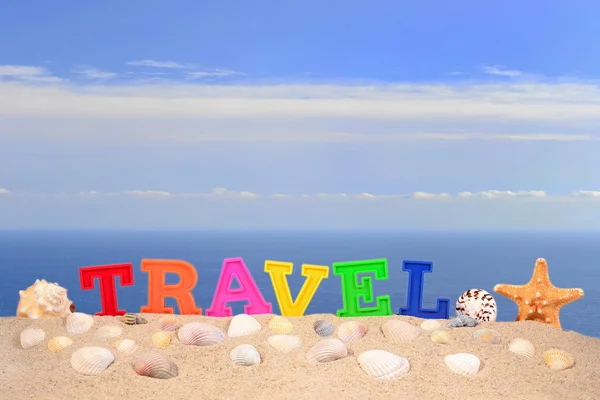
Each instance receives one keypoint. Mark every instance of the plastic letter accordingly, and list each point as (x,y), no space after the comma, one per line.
(181,291)
(106,274)
(352,289)
(414,301)
(248,291)
(314,275)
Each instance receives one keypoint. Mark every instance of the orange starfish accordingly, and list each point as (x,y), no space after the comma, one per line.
(539,300)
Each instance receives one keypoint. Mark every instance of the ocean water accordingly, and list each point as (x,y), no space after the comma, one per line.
(461,261)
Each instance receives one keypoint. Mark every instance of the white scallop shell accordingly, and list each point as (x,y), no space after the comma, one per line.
(91,360)
(109,332)
(464,364)
(245,354)
(352,331)
(58,343)
(78,323)
(31,337)
(522,347)
(381,364)
(430,325)
(43,300)
(243,325)
(285,343)
(558,360)
(327,350)
(477,303)
(200,334)
(400,331)
(126,346)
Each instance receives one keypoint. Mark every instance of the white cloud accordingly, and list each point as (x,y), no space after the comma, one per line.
(3,191)
(499,70)
(426,195)
(494,194)
(148,193)
(94,73)
(587,193)
(156,64)
(217,73)
(27,73)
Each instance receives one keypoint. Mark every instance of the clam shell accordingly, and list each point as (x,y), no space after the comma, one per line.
(133,319)
(169,323)
(440,336)
(78,323)
(109,332)
(200,334)
(558,360)
(487,336)
(477,303)
(464,364)
(400,331)
(381,364)
(245,354)
(280,325)
(327,350)
(285,343)
(352,331)
(431,324)
(126,346)
(161,339)
(522,347)
(31,337)
(243,325)
(323,328)
(91,360)
(155,365)
(58,343)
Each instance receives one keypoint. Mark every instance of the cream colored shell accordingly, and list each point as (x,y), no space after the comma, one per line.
(43,300)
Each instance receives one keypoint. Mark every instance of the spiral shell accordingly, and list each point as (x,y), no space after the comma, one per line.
(43,300)
(243,325)
(522,347)
(200,334)
(352,331)
(487,336)
(323,328)
(477,303)
(155,365)
(400,331)
(161,339)
(108,332)
(327,350)
(284,343)
(59,343)
(431,324)
(169,323)
(126,346)
(463,364)
(440,336)
(381,364)
(245,354)
(31,337)
(133,319)
(91,360)
(558,360)
(280,325)
(78,323)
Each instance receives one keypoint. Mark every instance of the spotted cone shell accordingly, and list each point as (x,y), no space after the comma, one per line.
(381,364)
(31,337)
(91,360)
(327,350)
(477,303)
(200,334)
(155,365)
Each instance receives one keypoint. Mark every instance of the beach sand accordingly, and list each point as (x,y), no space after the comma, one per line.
(208,373)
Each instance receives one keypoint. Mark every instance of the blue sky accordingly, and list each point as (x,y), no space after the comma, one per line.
(300,115)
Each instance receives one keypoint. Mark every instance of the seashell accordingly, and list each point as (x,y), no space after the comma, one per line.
(280,325)
(133,319)
(464,364)
(44,300)
(285,343)
(169,323)
(323,328)
(462,321)
(351,331)
(200,334)
(381,364)
(109,332)
(78,323)
(558,360)
(155,365)
(431,325)
(477,303)
(91,360)
(327,350)
(400,331)
(126,346)
(487,336)
(440,336)
(31,337)
(522,347)
(58,343)
(161,339)
(243,325)
(245,354)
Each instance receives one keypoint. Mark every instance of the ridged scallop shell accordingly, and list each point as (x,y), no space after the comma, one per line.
(431,325)
(327,350)
(323,328)
(477,303)
(161,339)
(245,354)
(464,364)
(487,336)
(109,332)
(31,337)
(91,360)
(155,365)
(126,346)
(352,331)
(280,325)
(243,325)
(285,343)
(59,343)
(44,300)
(558,360)
(78,323)
(381,364)
(133,319)
(200,334)
(400,331)
(169,323)
(440,336)
(522,347)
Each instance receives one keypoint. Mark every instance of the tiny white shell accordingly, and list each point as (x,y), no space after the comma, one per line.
(31,337)
(400,331)
(430,325)
(522,347)
(91,360)
(109,332)
(78,323)
(126,346)
(327,350)
(381,364)
(245,354)
(200,334)
(243,325)
(464,364)
(285,343)
(58,343)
